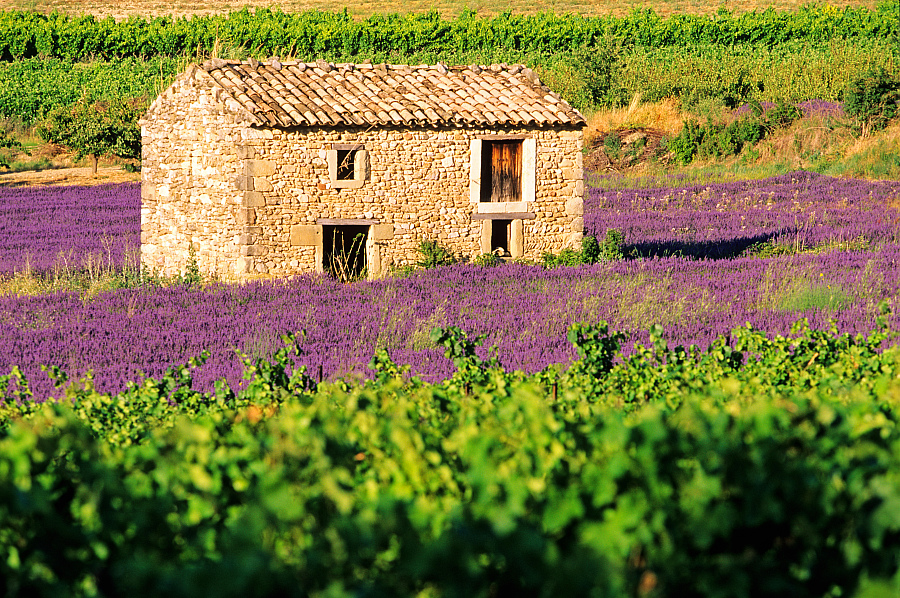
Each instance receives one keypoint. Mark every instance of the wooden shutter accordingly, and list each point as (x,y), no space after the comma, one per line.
(501,171)
(506,171)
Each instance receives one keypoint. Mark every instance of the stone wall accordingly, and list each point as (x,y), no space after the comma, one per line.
(189,164)
(252,201)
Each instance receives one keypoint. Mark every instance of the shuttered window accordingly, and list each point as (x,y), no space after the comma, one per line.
(501,171)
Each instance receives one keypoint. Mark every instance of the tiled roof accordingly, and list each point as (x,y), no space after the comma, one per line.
(291,94)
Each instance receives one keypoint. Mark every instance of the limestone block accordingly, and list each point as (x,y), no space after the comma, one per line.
(257,168)
(253,230)
(246,216)
(577,225)
(245,152)
(579,188)
(253,199)
(306,235)
(516,239)
(253,250)
(261,184)
(244,183)
(383,232)
(574,206)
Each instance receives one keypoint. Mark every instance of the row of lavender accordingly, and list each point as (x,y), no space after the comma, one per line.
(524,310)
(799,209)
(48,228)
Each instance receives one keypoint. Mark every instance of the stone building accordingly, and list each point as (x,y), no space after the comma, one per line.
(272,169)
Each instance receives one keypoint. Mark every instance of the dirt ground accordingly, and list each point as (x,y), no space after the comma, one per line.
(68,176)
(122,10)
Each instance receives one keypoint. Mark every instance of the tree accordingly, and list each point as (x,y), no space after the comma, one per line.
(96,128)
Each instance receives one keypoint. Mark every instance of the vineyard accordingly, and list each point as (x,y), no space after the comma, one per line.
(49,60)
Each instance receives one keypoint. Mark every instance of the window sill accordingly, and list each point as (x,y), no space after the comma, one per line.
(500,207)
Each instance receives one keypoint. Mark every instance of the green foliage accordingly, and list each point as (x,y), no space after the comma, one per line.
(592,252)
(192,275)
(7,141)
(46,61)
(711,140)
(434,255)
(487,260)
(586,76)
(872,99)
(317,33)
(94,128)
(612,145)
(612,248)
(30,88)
(758,467)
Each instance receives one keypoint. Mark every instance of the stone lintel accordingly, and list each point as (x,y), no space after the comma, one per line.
(346,221)
(500,207)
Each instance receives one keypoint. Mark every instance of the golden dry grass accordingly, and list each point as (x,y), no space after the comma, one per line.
(665,116)
(121,10)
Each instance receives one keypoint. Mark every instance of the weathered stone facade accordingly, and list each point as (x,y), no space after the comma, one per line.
(249,200)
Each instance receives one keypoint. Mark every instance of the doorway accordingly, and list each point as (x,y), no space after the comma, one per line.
(344,251)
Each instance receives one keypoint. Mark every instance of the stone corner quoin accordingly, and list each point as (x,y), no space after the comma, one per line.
(248,199)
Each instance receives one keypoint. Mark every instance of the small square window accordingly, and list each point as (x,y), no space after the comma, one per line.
(345,164)
(348,165)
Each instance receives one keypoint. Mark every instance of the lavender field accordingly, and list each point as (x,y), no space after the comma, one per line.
(46,229)
(695,266)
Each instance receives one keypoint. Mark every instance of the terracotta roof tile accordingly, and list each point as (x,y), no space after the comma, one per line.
(290,94)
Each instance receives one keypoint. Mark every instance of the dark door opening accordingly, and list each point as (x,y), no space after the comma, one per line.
(344,251)
(500,235)
(501,170)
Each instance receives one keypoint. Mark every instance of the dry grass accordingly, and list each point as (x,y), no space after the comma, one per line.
(665,117)
(122,10)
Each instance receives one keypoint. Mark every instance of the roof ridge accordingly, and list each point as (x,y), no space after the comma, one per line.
(284,92)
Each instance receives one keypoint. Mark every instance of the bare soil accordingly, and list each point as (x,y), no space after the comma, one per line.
(68,176)
(122,10)
(635,147)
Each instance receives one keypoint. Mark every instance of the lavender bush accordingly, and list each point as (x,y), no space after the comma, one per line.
(524,310)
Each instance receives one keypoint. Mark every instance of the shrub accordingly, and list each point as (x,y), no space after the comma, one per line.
(612,248)
(872,99)
(591,252)
(434,255)
(487,260)
(7,142)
